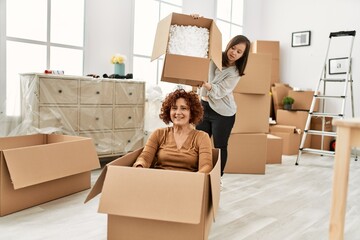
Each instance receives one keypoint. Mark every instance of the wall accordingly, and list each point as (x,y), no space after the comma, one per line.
(301,67)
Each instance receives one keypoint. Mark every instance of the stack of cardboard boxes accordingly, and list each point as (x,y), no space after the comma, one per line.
(247,149)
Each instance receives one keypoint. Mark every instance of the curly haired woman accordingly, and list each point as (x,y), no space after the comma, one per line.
(180,146)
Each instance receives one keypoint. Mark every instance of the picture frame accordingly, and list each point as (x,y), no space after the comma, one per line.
(338,65)
(301,39)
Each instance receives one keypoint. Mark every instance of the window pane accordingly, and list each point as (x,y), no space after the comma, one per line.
(21,58)
(225,32)
(67,22)
(26,19)
(238,12)
(144,70)
(145,27)
(166,9)
(223,10)
(68,60)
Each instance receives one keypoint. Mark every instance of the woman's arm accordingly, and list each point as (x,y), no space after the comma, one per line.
(147,155)
(205,153)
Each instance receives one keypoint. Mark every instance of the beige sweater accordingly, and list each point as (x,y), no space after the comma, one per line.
(194,155)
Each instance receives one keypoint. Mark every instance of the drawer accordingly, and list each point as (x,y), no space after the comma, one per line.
(102,141)
(65,118)
(128,117)
(129,93)
(61,91)
(96,92)
(96,118)
(125,141)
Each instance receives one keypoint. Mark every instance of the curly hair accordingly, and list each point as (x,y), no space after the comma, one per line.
(191,99)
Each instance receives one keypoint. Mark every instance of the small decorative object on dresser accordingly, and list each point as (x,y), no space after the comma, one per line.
(119,64)
(110,111)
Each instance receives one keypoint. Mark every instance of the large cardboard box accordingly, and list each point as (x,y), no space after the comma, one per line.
(246,154)
(292,118)
(291,138)
(257,75)
(186,69)
(157,204)
(303,100)
(39,168)
(252,114)
(275,147)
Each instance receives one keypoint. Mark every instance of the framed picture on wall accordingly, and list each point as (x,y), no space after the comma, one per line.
(338,65)
(301,39)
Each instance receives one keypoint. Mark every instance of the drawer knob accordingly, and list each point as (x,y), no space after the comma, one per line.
(60,91)
(129,117)
(130,93)
(97,92)
(97,118)
(129,141)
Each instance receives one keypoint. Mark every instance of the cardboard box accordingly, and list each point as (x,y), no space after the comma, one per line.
(316,124)
(252,114)
(264,46)
(275,147)
(39,168)
(246,153)
(279,91)
(257,75)
(156,204)
(291,138)
(185,69)
(303,100)
(292,118)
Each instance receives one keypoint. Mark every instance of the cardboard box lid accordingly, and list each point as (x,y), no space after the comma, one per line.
(174,195)
(162,35)
(283,128)
(59,156)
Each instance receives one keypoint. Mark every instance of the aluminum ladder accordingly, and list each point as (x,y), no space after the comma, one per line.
(336,70)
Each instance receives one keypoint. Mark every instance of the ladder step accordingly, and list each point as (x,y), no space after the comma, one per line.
(318,151)
(328,96)
(333,115)
(322,133)
(333,79)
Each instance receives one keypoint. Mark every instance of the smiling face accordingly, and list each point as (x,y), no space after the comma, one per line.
(180,113)
(236,52)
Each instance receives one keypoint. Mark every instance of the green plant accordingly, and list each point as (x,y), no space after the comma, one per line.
(288,100)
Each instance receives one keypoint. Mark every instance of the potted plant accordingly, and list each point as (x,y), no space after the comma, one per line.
(288,102)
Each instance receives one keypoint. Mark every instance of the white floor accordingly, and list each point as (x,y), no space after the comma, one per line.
(287,203)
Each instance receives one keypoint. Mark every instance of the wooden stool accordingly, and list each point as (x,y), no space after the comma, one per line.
(348,136)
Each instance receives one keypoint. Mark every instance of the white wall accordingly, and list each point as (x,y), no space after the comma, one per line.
(301,66)
(109,30)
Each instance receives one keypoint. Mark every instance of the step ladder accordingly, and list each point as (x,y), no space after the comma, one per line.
(337,72)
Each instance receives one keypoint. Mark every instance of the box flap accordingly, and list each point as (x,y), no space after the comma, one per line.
(41,163)
(215,46)
(22,141)
(155,194)
(283,128)
(215,181)
(161,38)
(126,160)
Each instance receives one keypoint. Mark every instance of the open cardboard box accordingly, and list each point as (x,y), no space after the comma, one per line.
(157,204)
(185,69)
(39,168)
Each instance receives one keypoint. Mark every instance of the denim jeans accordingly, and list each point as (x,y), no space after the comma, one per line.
(219,127)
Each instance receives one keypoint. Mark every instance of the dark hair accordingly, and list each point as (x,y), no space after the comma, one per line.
(241,62)
(191,99)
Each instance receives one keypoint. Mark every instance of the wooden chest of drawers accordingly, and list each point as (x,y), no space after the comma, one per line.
(110,111)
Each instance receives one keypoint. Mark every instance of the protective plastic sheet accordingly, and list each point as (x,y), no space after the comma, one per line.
(110,111)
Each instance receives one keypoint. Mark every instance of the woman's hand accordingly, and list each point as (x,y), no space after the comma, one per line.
(195,15)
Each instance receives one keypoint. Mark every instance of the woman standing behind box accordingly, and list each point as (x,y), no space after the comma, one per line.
(181,146)
(217,94)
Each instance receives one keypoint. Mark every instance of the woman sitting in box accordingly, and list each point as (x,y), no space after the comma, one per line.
(181,146)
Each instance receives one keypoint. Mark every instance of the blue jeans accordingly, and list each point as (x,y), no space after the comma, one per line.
(219,127)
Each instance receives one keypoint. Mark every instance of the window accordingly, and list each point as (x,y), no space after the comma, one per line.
(41,34)
(144,34)
(229,18)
